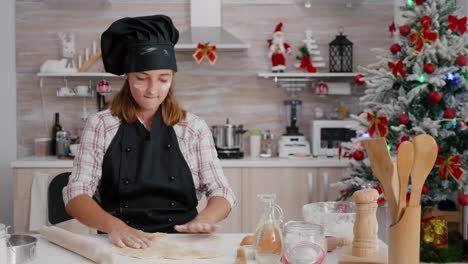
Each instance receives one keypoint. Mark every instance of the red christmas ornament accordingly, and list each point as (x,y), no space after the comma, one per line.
(405,30)
(426,20)
(435,97)
(408,197)
(403,119)
(358,80)
(395,48)
(461,60)
(425,189)
(463,199)
(450,113)
(321,89)
(429,68)
(358,155)
(438,148)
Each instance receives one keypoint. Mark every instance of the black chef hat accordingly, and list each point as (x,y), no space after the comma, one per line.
(136,44)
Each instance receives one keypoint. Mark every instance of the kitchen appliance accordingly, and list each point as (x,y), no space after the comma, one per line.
(228,140)
(293,142)
(327,135)
(63,143)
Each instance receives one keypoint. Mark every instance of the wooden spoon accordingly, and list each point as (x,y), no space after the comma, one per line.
(405,158)
(382,166)
(425,155)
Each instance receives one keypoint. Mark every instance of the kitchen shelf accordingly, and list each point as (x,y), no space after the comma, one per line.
(305,75)
(77,74)
(66,75)
(295,82)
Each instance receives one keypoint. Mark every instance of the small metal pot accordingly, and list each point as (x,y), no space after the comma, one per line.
(228,136)
(21,249)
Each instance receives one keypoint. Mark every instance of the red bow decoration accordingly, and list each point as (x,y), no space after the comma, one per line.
(419,38)
(205,50)
(307,65)
(399,67)
(392,28)
(457,23)
(377,123)
(450,166)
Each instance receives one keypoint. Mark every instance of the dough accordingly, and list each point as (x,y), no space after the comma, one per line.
(177,246)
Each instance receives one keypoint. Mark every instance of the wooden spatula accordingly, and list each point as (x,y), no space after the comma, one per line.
(425,155)
(405,158)
(382,166)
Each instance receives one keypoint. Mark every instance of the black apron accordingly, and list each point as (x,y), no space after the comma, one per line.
(146,181)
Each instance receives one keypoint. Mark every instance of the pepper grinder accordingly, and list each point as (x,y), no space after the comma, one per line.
(365,243)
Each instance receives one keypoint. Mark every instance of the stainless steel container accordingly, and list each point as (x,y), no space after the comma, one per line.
(21,249)
(63,143)
(228,136)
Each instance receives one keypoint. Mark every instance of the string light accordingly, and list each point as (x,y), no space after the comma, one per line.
(410,3)
(389,147)
(450,76)
(422,78)
(454,123)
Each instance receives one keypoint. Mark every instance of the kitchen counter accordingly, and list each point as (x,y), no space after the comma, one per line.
(54,162)
(47,252)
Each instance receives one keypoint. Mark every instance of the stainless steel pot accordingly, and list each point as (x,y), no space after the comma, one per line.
(21,249)
(228,136)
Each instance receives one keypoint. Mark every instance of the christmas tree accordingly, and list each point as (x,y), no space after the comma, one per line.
(309,54)
(417,87)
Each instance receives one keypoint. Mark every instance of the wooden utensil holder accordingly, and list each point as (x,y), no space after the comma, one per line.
(404,238)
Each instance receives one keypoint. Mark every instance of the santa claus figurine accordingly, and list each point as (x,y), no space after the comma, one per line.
(278,49)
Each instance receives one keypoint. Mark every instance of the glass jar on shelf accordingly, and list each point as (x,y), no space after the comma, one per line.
(268,148)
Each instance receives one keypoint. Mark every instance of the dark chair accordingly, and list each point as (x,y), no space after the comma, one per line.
(57,213)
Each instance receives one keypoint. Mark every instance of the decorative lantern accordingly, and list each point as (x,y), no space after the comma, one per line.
(341,53)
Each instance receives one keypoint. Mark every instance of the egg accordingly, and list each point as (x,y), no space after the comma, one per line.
(247,240)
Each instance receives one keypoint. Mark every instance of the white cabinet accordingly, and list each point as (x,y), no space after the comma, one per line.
(326,177)
(232,224)
(289,184)
(293,186)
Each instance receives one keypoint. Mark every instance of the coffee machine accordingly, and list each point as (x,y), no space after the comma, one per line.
(228,140)
(293,142)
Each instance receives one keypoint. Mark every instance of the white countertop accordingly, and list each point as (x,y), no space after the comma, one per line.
(48,253)
(54,162)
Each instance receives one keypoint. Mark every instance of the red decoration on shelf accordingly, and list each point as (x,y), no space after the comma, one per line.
(425,189)
(398,68)
(395,48)
(463,199)
(377,123)
(403,119)
(450,113)
(426,20)
(405,30)
(358,155)
(435,97)
(392,29)
(420,38)
(461,60)
(456,23)
(205,50)
(307,64)
(450,166)
(321,89)
(429,68)
(358,80)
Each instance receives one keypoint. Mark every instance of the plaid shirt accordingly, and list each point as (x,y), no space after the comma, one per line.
(195,142)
